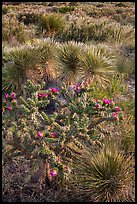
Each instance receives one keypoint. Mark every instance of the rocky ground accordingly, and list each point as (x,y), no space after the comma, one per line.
(131,84)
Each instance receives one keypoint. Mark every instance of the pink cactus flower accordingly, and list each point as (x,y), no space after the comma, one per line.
(78,88)
(3,109)
(55,90)
(6,96)
(52,134)
(106,101)
(86,83)
(46,95)
(98,106)
(53,173)
(14,101)
(116,118)
(40,135)
(114,114)
(117,109)
(110,101)
(9,108)
(13,95)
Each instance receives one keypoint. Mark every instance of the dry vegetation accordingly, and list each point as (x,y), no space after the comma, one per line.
(68,43)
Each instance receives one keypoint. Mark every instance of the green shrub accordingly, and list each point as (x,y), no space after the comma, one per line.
(13,29)
(4,10)
(66,9)
(121,4)
(101,31)
(28,18)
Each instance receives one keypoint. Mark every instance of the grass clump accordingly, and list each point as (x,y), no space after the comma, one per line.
(106,176)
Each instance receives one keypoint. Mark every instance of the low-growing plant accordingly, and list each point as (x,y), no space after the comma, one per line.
(100,31)
(12,28)
(28,18)
(52,138)
(4,10)
(126,67)
(66,9)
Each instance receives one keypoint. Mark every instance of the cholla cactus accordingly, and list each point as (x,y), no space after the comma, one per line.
(39,135)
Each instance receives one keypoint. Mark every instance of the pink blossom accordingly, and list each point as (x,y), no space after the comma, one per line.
(9,108)
(46,95)
(106,101)
(40,135)
(86,83)
(6,96)
(2,109)
(114,114)
(116,118)
(40,95)
(98,106)
(53,173)
(14,101)
(78,88)
(55,90)
(117,109)
(52,134)
(110,101)
(13,95)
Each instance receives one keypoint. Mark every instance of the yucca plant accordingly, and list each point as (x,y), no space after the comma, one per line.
(98,63)
(27,61)
(50,25)
(106,176)
(67,61)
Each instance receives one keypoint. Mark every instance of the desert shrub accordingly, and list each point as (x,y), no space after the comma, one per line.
(49,25)
(121,34)
(66,9)
(52,138)
(106,176)
(121,4)
(73,3)
(126,135)
(126,66)
(101,31)
(85,32)
(4,10)
(28,18)
(13,29)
